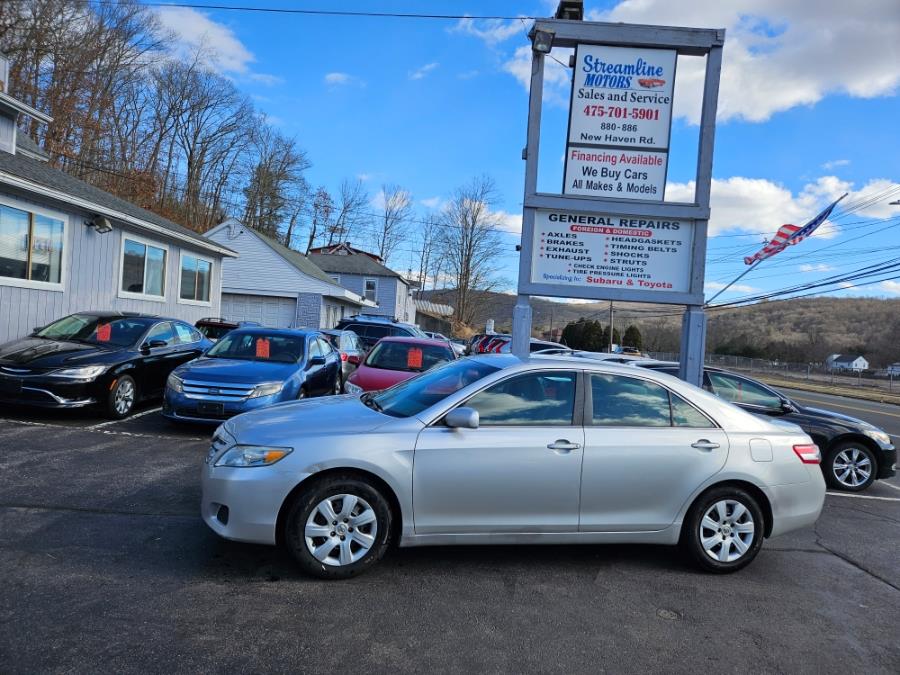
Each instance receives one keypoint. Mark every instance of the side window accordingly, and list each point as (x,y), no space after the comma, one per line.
(686,415)
(533,399)
(739,390)
(324,346)
(629,402)
(314,349)
(185,333)
(377,332)
(162,331)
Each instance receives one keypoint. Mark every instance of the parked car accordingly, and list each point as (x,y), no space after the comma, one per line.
(252,368)
(458,346)
(370,328)
(395,359)
(110,360)
(502,344)
(493,449)
(350,349)
(215,327)
(855,453)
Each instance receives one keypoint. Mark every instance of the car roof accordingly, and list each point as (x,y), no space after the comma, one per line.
(296,332)
(415,341)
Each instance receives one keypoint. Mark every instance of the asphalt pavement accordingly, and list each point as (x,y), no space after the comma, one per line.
(107,567)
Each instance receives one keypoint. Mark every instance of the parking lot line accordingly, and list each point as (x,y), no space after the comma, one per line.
(881,499)
(890,485)
(124,419)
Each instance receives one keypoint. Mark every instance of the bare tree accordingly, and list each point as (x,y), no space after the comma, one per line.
(388,227)
(350,213)
(470,242)
(323,208)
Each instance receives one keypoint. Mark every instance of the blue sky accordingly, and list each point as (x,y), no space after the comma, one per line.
(809,109)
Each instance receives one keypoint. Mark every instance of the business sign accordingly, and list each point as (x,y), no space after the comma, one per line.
(603,250)
(620,118)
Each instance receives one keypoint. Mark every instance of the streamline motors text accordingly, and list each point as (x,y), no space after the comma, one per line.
(616,75)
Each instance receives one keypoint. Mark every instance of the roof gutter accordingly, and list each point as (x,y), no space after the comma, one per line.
(11,103)
(93,207)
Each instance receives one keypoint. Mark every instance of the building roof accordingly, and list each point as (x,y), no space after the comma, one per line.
(24,143)
(433,308)
(344,248)
(35,176)
(297,259)
(847,358)
(362,265)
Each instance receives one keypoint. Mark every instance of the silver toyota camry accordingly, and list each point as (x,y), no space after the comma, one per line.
(493,449)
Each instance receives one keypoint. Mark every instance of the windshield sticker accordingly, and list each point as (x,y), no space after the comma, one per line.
(104,332)
(262,348)
(414,358)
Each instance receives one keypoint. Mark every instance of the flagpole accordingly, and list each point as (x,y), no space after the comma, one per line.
(732,282)
(753,266)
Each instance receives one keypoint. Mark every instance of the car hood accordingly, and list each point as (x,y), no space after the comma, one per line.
(285,423)
(376,379)
(236,371)
(837,417)
(40,354)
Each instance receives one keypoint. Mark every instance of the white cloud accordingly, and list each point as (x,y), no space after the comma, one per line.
(509,222)
(557,78)
(432,202)
(778,54)
(835,163)
(892,287)
(492,31)
(736,288)
(364,177)
(819,267)
(342,80)
(759,205)
(420,73)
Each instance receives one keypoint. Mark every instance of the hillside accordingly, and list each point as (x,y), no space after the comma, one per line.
(805,330)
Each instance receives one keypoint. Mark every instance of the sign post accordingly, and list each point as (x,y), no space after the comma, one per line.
(610,234)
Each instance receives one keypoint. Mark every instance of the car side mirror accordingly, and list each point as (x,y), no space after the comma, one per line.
(37,329)
(462,418)
(153,344)
(787,406)
(316,361)
(353,358)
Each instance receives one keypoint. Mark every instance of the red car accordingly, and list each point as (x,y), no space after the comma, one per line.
(394,359)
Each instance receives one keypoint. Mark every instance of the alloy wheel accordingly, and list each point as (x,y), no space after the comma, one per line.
(727,530)
(124,398)
(852,467)
(341,530)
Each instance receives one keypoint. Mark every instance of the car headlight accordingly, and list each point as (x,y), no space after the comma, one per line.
(175,383)
(266,389)
(252,455)
(351,388)
(878,435)
(81,373)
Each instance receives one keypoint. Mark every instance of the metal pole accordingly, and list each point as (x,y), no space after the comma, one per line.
(610,326)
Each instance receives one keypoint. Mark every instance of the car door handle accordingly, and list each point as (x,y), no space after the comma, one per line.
(564,445)
(704,444)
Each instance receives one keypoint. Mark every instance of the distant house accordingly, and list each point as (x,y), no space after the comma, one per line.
(433,317)
(855,363)
(277,286)
(894,369)
(364,273)
(67,246)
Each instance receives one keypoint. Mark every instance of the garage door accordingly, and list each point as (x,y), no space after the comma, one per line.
(267,310)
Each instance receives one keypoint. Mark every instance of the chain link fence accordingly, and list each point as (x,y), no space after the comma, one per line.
(878,380)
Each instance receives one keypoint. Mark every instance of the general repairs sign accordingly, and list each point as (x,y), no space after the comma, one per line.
(620,118)
(597,250)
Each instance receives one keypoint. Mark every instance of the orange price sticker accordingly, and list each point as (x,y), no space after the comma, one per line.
(414,358)
(104,332)
(262,348)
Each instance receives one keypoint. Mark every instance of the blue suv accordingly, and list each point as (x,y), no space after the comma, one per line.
(252,368)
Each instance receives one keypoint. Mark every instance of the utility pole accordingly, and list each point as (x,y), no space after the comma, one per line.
(610,326)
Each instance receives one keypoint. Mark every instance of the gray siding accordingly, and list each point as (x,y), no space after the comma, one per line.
(91,280)
(309,310)
(389,296)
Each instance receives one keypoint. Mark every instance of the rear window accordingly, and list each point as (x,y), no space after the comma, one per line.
(407,357)
(214,332)
(259,347)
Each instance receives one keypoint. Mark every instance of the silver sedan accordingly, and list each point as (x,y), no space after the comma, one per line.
(492,449)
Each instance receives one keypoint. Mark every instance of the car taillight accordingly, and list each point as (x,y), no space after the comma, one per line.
(343,356)
(808,454)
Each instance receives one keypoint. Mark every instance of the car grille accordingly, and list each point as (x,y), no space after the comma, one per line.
(215,391)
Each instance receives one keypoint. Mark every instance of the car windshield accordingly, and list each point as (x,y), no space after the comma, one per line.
(99,330)
(258,347)
(415,395)
(407,356)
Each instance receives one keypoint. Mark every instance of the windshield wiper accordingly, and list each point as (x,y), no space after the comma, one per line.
(369,400)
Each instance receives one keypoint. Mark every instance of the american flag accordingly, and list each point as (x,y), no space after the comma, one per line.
(788,235)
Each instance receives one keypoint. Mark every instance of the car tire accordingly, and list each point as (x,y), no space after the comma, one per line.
(309,524)
(850,466)
(724,530)
(121,398)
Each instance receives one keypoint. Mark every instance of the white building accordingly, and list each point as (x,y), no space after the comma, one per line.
(851,362)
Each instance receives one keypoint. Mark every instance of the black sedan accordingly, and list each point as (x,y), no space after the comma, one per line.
(106,359)
(854,453)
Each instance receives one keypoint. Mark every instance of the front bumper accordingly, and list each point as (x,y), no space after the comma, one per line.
(46,392)
(252,498)
(194,409)
(887,463)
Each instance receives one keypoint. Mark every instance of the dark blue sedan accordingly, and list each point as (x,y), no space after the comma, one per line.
(252,368)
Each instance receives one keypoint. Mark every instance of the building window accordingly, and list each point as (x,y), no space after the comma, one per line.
(370,288)
(143,269)
(31,246)
(195,278)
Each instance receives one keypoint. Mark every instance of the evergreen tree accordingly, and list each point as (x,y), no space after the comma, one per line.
(633,338)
